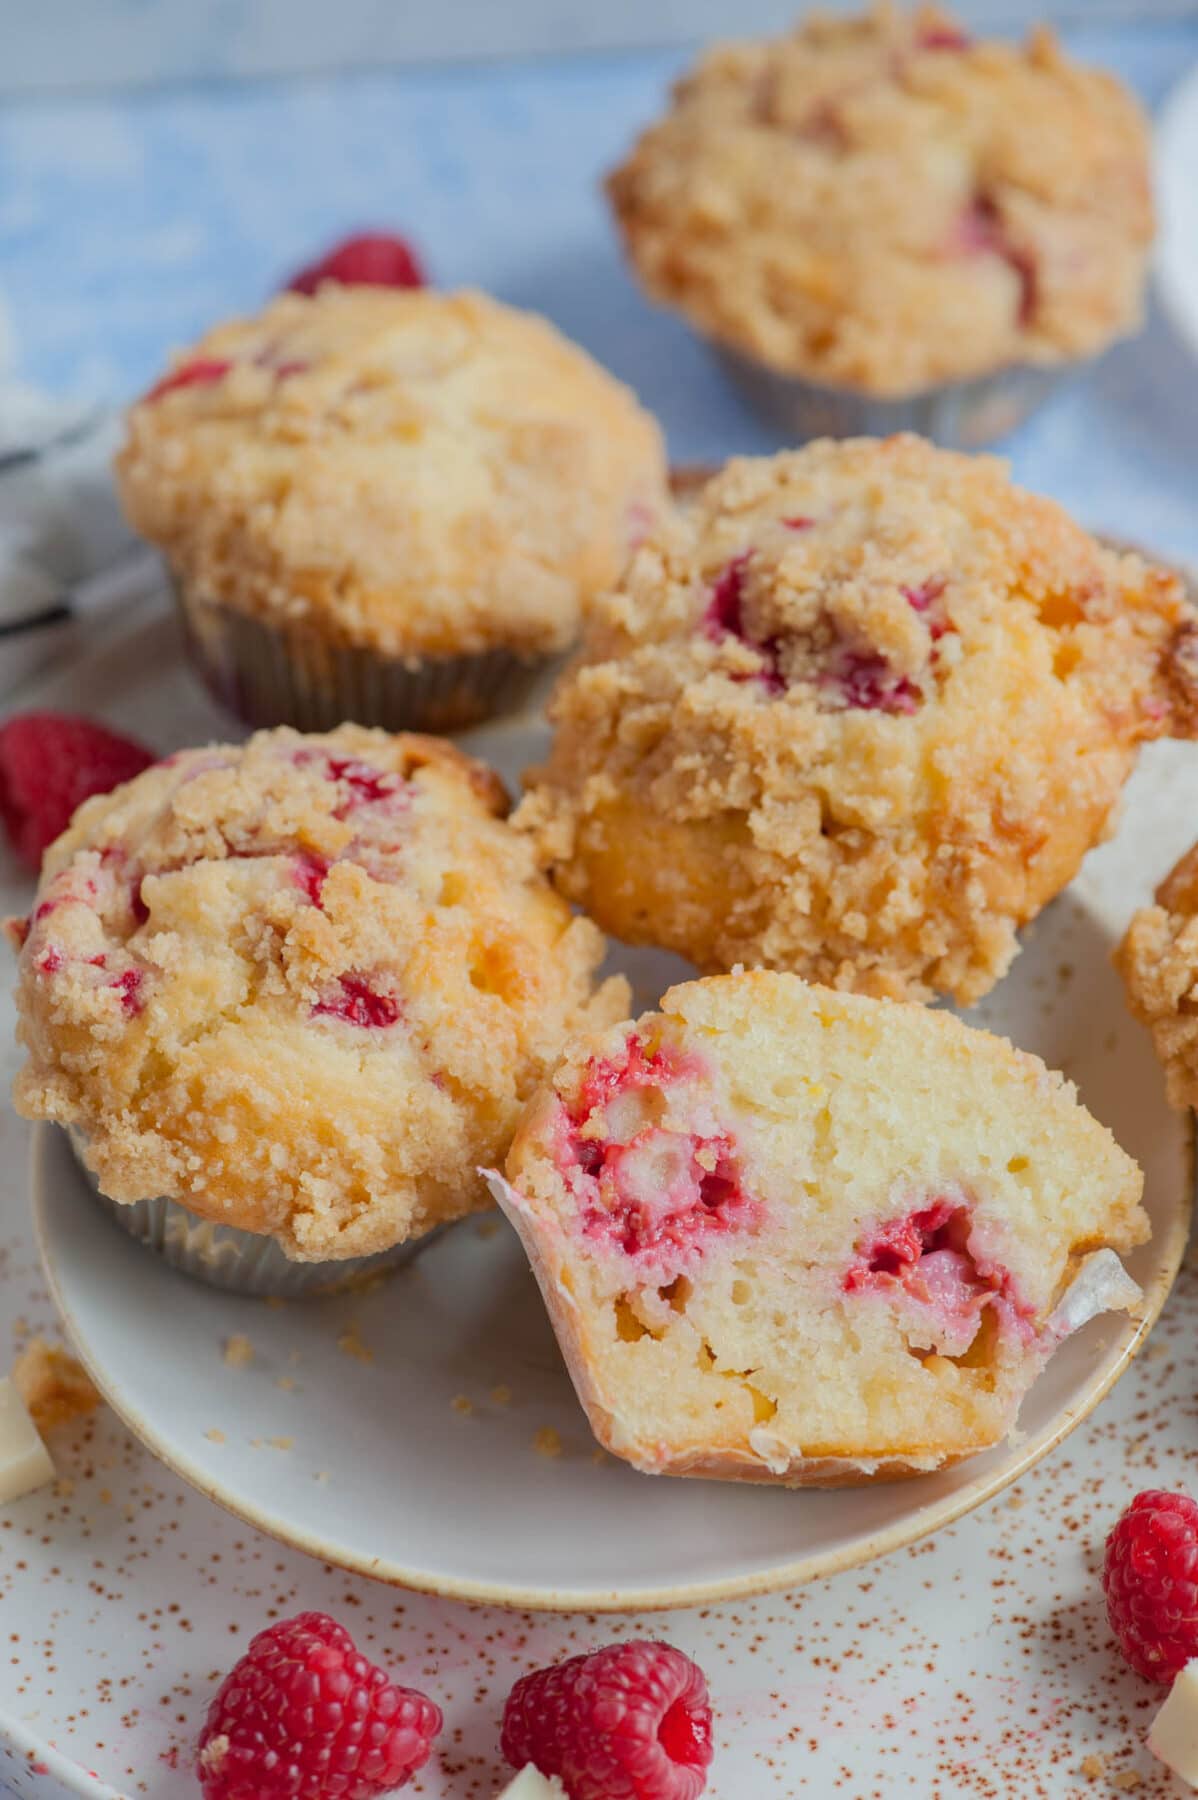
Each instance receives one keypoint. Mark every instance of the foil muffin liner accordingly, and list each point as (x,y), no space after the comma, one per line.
(961,415)
(240,1262)
(288,674)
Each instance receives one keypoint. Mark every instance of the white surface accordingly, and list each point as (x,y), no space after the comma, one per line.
(1173,1736)
(974,1664)
(25,1463)
(1177,200)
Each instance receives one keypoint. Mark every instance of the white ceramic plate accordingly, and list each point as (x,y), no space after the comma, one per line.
(399,1461)
(1177,202)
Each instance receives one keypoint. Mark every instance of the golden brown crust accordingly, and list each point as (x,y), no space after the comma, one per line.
(859,712)
(303,985)
(55,1387)
(744,1354)
(877,202)
(413,472)
(1158,960)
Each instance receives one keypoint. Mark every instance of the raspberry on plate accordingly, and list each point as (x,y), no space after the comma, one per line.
(370,259)
(305,1716)
(50,763)
(1150,1578)
(630,1722)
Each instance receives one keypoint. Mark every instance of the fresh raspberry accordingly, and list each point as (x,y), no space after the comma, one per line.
(372,259)
(201,372)
(49,764)
(304,1716)
(631,1722)
(1150,1578)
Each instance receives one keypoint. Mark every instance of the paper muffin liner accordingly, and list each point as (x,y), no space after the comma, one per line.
(287,673)
(961,415)
(240,1262)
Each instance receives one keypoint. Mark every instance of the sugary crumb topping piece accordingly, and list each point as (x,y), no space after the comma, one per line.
(53,1384)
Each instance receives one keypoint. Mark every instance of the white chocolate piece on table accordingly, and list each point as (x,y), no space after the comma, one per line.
(1173,1734)
(530,1784)
(24,1460)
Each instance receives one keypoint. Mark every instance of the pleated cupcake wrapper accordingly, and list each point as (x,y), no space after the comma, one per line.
(961,415)
(241,1262)
(288,674)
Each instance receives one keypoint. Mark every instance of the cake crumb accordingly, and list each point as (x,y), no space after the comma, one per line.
(53,1385)
(281,1443)
(599,1456)
(105,1496)
(64,1487)
(1093,1766)
(547,1442)
(238,1351)
(1015,1501)
(286,1382)
(1127,1779)
(350,1344)
(215,1436)
(462,1403)
(502,1395)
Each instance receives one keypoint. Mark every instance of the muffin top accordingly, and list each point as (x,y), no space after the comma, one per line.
(880,202)
(412,472)
(1158,959)
(858,712)
(303,985)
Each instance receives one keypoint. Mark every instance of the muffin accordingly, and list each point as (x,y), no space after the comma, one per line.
(886,224)
(797,1236)
(858,712)
(300,988)
(387,506)
(1158,960)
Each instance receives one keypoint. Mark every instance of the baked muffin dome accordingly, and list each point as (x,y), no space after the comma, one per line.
(302,985)
(858,712)
(880,202)
(414,472)
(1158,960)
(791,1235)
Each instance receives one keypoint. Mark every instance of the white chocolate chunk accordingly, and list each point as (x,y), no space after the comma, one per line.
(24,1460)
(530,1784)
(1173,1734)
(1100,1285)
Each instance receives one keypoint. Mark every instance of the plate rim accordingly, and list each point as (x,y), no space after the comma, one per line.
(794,1573)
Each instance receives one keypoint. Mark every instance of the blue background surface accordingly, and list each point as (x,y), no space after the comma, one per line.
(128,223)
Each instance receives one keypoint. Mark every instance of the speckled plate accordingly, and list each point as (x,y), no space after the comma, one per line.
(426,1434)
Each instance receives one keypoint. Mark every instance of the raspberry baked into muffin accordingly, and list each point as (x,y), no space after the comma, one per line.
(882,204)
(791,1235)
(1158,960)
(301,987)
(384,505)
(858,712)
